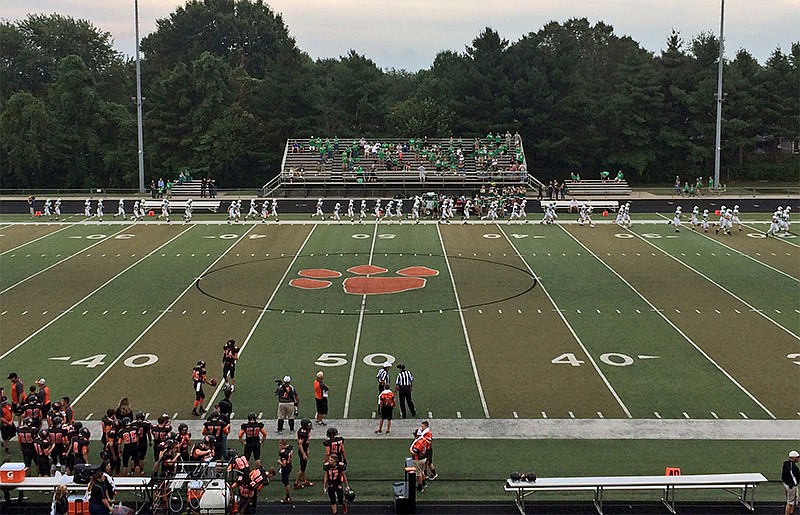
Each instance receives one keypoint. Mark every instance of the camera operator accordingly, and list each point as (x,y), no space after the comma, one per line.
(288,401)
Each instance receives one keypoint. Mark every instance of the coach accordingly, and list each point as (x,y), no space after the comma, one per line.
(403,386)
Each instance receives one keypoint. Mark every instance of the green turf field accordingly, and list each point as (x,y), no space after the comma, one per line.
(501,321)
(498,321)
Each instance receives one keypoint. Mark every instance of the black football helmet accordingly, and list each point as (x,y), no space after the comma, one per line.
(43,434)
(349,494)
(126,421)
(57,421)
(183,428)
(251,417)
(85,433)
(201,364)
(77,425)
(139,415)
(305,423)
(210,440)
(331,432)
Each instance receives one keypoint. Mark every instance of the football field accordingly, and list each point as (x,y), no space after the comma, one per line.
(499,321)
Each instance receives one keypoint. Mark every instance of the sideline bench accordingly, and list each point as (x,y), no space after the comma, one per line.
(742,485)
(140,486)
(211,205)
(613,205)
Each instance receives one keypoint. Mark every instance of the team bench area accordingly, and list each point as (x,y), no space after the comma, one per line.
(743,485)
(211,205)
(613,205)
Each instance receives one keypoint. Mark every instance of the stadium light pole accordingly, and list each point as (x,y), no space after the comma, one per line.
(718,138)
(139,101)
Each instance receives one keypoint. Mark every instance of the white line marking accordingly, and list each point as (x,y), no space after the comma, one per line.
(600,414)
(675,327)
(264,311)
(63,260)
(430,414)
(742,414)
(569,327)
(714,415)
(104,312)
(464,324)
(89,416)
(458,414)
(571,414)
(260,414)
(25,312)
(81,313)
(715,284)
(686,415)
(656,414)
(34,241)
(373,414)
(159,317)
(145,311)
(544,415)
(124,311)
(357,342)
(514,414)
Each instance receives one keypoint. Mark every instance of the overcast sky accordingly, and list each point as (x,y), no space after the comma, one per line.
(407,34)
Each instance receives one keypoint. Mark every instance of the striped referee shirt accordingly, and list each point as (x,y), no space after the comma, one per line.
(383,377)
(404,378)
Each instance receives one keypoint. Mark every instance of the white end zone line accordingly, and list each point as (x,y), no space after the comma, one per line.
(69,309)
(63,260)
(358,333)
(676,328)
(742,254)
(569,327)
(463,325)
(701,274)
(263,311)
(159,317)
(32,241)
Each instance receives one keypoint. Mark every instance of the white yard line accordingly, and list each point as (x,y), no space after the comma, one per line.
(48,324)
(32,241)
(463,326)
(701,274)
(358,334)
(741,253)
(569,327)
(63,260)
(676,328)
(778,238)
(154,322)
(264,311)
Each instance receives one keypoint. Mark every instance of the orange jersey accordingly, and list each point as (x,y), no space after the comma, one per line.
(386,398)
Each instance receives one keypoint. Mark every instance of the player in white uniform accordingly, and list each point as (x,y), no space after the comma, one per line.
(362,214)
(695,220)
(165,209)
(187,211)
(735,217)
(399,210)
(447,211)
(415,209)
(239,210)
(784,221)
(336,209)
(514,212)
(775,224)
(252,211)
(318,210)
(351,210)
(704,221)
(721,220)
(58,208)
(676,220)
(135,213)
(47,206)
(264,211)
(87,208)
(389,209)
(491,213)
(121,209)
(274,209)
(467,211)
(232,212)
(377,210)
(523,210)
(585,215)
(99,213)
(725,222)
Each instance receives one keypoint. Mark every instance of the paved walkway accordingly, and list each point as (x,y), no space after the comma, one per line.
(532,429)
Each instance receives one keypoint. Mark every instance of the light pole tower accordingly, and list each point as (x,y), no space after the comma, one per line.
(718,138)
(139,102)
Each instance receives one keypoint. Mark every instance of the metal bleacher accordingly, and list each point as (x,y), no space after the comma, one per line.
(598,188)
(306,171)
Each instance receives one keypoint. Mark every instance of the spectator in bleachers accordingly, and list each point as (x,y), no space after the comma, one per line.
(203,187)
(620,176)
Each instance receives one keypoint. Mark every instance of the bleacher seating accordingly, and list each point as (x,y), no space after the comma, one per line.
(305,167)
(588,188)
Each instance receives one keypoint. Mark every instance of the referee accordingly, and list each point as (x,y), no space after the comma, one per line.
(382,376)
(404,384)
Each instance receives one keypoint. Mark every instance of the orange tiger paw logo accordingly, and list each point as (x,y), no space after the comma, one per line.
(366,280)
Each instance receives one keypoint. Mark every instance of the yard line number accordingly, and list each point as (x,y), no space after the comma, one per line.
(337,359)
(615,359)
(136,361)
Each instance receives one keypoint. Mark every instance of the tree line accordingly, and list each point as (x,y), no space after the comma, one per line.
(225,85)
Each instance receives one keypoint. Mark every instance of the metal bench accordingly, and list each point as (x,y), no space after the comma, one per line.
(211,205)
(743,485)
